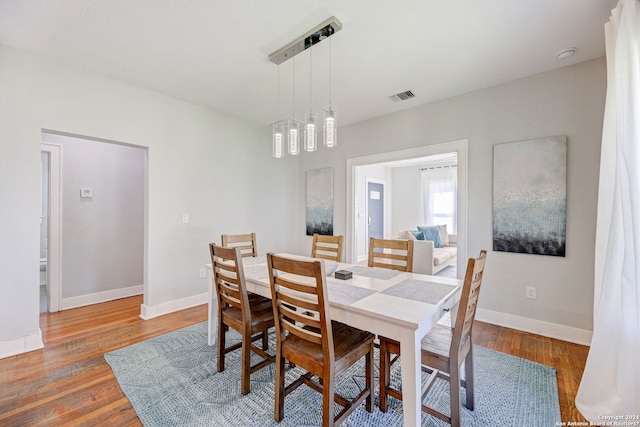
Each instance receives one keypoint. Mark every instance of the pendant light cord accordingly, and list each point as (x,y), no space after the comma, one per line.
(278,118)
(310,85)
(330,54)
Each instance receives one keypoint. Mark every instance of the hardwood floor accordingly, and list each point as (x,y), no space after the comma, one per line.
(69,383)
(567,358)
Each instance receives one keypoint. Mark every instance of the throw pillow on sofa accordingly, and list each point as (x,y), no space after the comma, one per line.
(407,234)
(444,235)
(432,233)
(419,235)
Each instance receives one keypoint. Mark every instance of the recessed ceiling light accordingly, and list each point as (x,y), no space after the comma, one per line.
(567,53)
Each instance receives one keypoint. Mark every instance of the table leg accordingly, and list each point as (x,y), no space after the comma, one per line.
(411,378)
(213,312)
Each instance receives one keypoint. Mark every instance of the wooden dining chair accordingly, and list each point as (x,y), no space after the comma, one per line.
(250,316)
(444,350)
(392,254)
(327,247)
(246,243)
(307,337)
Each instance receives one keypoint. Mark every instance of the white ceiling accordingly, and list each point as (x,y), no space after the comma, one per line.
(215,52)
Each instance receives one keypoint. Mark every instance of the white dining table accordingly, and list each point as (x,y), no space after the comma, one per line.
(398,305)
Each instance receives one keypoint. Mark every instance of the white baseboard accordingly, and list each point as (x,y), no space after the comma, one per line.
(82,300)
(150,311)
(21,345)
(551,330)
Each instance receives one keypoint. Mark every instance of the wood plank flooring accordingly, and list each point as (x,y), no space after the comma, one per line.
(69,383)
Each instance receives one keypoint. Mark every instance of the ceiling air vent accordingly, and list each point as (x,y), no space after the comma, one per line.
(402,96)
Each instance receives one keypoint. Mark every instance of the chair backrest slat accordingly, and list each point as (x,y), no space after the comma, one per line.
(394,254)
(298,302)
(229,275)
(304,287)
(327,247)
(227,267)
(229,292)
(301,317)
(245,242)
(305,334)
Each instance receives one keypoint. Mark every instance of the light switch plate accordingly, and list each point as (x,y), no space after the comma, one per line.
(86,193)
(531,292)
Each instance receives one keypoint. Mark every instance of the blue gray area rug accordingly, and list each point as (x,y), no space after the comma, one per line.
(171,380)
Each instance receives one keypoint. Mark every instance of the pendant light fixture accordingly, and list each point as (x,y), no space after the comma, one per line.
(278,140)
(293,136)
(294,130)
(310,126)
(294,126)
(330,126)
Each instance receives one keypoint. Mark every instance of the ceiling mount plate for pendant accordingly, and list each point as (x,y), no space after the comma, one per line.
(314,36)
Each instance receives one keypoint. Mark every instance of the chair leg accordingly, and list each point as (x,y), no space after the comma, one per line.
(369,380)
(385,374)
(454,392)
(468,362)
(221,345)
(245,375)
(278,408)
(327,403)
(265,339)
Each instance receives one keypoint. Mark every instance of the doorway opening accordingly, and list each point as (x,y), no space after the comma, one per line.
(93,232)
(380,167)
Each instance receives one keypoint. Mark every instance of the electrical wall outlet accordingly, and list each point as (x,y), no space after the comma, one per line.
(203,272)
(531,292)
(185,218)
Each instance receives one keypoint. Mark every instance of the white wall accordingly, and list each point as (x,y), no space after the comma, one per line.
(407,200)
(215,167)
(568,101)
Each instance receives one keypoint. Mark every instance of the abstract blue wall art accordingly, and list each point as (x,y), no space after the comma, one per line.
(319,201)
(530,196)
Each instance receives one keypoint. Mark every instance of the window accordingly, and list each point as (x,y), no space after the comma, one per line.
(439,189)
(444,209)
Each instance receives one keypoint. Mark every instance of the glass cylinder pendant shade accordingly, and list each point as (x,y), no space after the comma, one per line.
(310,136)
(330,128)
(278,140)
(294,132)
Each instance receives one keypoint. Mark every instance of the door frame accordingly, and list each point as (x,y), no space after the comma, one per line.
(460,146)
(54,227)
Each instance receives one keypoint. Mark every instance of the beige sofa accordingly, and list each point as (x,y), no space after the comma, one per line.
(428,259)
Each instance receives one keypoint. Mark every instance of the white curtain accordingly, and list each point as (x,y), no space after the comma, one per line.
(610,384)
(439,191)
